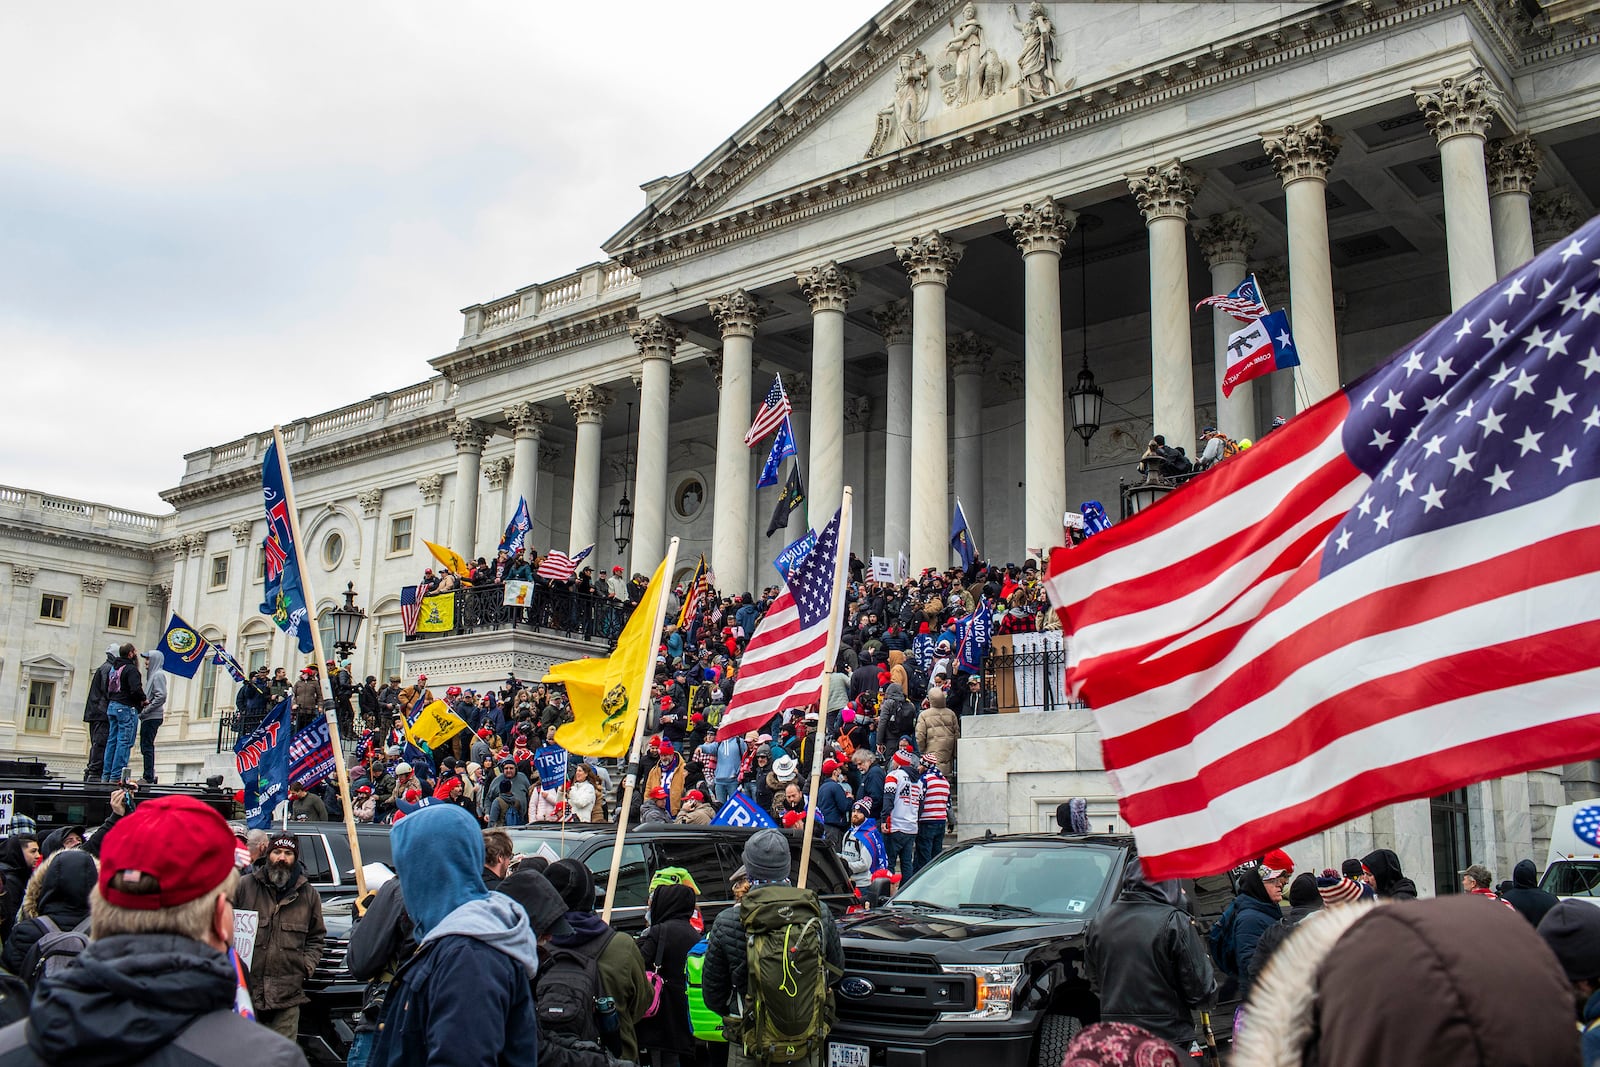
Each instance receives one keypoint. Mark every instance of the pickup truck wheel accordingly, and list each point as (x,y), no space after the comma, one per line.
(1054,1037)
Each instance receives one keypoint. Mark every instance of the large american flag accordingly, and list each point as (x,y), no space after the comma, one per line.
(1393,596)
(774,409)
(410,608)
(560,567)
(785,664)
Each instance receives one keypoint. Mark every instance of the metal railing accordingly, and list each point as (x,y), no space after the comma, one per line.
(1026,681)
(563,611)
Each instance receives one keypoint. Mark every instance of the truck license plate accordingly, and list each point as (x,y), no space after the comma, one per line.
(841,1055)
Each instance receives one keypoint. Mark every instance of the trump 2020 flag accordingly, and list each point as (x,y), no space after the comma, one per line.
(1260,348)
(740,810)
(975,631)
(1395,595)
(516,535)
(262,759)
(552,763)
(183,650)
(311,754)
(285,600)
(782,448)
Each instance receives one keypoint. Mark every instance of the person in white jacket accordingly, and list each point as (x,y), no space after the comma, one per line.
(581,794)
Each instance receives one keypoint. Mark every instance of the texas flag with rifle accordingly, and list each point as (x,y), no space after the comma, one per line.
(1260,348)
(1395,595)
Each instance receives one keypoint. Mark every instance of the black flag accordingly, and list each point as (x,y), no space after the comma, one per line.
(791,497)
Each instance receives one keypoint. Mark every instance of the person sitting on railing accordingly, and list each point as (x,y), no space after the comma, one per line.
(1161,462)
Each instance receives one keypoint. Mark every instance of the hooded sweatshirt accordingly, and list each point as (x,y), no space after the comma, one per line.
(1392,882)
(155,689)
(63,899)
(1531,902)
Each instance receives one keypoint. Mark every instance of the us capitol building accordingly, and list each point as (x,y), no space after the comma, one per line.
(958,216)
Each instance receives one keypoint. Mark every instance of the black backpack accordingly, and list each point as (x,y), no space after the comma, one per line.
(916,680)
(902,722)
(55,949)
(568,986)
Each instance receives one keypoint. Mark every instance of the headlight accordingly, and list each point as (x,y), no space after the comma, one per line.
(996,984)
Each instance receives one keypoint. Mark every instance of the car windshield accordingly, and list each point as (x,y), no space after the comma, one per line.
(1014,878)
(1573,878)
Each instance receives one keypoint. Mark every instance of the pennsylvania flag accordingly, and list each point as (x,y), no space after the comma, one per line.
(451,559)
(602,691)
(438,615)
(434,725)
(285,600)
(182,648)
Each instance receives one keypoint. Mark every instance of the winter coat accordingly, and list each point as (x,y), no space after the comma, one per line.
(938,729)
(1525,895)
(897,717)
(307,694)
(621,974)
(668,939)
(1392,882)
(155,690)
(146,1000)
(678,782)
(311,807)
(583,798)
(132,692)
(14,874)
(63,899)
(1147,962)
(94,708)
(1253,914)
(701,815)
(289,937)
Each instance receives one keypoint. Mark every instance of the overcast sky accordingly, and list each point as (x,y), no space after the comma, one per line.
(217,216)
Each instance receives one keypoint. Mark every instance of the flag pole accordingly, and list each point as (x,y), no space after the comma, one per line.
(841,569)
(322,672)
(640,698)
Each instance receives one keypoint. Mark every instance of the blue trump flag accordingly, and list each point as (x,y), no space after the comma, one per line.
(182,648)
(516,535)
(311,754)
(285,599)
(782,448)
(796,552)
(552,763)
(740,810)
(262,758)
(976,633)
(961,536)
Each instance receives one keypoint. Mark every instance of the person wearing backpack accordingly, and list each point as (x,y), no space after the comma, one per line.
(896,719)
(665,946)
(60,928)
(124,698)
(771,964)
(588,965)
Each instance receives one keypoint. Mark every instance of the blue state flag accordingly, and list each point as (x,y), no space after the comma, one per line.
(262,758)
(285,599)
(182,648)
(782,448)
(961,536)
(516,535)
(740,810)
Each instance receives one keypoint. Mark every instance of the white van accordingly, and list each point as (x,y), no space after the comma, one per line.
(1573,868)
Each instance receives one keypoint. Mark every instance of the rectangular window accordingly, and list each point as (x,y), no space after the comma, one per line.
(261,563)
(219,572)
(41,698)
(1452,840)
(257,658)
(208,689)
(400,535)
(391,654)
(53,606)
(119,617)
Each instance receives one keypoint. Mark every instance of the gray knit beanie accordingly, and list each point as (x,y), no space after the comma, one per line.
(766,857)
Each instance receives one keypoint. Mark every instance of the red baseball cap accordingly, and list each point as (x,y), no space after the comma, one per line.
(829,766)
(175,842)
(694,794)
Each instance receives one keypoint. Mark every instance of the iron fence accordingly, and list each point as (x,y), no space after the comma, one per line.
(1033,680)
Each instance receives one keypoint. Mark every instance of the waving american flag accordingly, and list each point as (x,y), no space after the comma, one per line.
(774,409)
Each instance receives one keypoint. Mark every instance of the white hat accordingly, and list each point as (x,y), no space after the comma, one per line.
(785,768)
(402,767)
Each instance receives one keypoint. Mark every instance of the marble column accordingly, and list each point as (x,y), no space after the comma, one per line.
(737,314)
(797,386)
(657,339)
(1513,164)
(1555,215)
(1164,193)
(1302,154)
(527,422)
(470,437)
(969,357)
(1226,240)
(828,287)
(589,403)
(894,323)
(1041,228)
(1459,112)
(929,260)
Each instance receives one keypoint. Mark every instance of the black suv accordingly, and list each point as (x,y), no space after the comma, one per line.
(980,955)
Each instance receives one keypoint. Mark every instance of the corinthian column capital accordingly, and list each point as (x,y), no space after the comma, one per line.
(1512,164)
(1460,107)
(1302,150)
(526,420)
(1164,191)
(589,402)
(1041,225)
(967,353)
(1225,238)
(930,257)
(894,321)
(737,313)
(657,337)
(468,434)
(827,286)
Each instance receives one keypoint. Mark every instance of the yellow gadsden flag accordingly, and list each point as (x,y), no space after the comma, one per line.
(451,559)
(438,614)
(603,691)
(434,725)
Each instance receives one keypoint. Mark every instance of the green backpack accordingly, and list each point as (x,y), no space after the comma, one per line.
(789,1006)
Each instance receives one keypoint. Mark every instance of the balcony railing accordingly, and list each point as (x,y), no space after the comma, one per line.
(591,286)
(571,614)
(1027,680)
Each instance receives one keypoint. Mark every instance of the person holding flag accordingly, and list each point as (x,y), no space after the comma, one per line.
(516,536)
(961,537)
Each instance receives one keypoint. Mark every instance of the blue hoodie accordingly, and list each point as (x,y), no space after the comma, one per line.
(466,997)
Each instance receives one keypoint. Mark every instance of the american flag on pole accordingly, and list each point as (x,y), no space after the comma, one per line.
(410,608)
(1395,595)
(774,409)
(1243,303)
(784,665)
(698,584)
(560,567)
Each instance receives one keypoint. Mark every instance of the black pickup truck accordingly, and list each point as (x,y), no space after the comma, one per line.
(980,956)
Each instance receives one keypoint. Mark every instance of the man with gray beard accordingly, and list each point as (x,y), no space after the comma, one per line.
(289,933)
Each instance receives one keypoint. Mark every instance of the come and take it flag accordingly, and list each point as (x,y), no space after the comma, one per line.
(1260,348)
(516,535)
(602,692)
(311,754)
(961,536)
(262,759)
(1395,595)
(284,599)
(1244,303)
(774,412)
(183,650)
(785,664)
(740,810)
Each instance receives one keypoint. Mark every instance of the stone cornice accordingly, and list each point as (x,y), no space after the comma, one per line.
(59,536)
(334,452)
(682,226)
(508,353)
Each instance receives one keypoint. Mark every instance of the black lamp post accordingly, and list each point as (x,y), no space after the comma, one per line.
(347,620)
(1085,397)
(622,518)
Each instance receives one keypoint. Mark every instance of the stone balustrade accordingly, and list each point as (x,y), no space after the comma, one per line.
(66,513)
(578,291)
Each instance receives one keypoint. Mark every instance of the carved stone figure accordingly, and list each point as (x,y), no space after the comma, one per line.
(911,97)
(962,70)
(1036,66)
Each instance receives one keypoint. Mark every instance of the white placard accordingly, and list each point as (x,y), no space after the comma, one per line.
(518,594)
(244,934)
(1072,520)
(8,804)
(376,874)
(882,569)
(550,854)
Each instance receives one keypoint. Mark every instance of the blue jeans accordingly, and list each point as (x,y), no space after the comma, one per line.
(930,841)
(119,743)
(902,847)
(723,790)
(361,1048)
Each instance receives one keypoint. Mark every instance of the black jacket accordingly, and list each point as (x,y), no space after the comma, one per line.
(153,1000)
(1392,882)
(668,939)
(132,692)
(94,709)
(1525,895)
(14,875)
(1147,961)
(63,899)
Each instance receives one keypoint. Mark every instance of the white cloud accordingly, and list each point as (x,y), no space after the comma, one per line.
(204,207)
